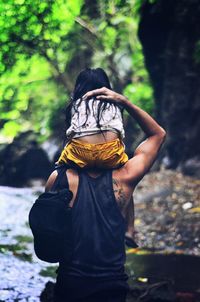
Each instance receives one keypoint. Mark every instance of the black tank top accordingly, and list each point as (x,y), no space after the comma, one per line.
(98,230)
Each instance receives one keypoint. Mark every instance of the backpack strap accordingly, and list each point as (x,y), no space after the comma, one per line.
(61,181)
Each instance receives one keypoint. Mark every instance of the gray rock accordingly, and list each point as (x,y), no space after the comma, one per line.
(191,167)
(23,160)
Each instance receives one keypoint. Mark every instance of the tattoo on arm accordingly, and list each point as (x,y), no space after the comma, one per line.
(126,206)
(119,194)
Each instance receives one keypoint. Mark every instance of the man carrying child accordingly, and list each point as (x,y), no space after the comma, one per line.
(102,180)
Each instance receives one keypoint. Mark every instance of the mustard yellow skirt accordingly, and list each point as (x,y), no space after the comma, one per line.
(103,155)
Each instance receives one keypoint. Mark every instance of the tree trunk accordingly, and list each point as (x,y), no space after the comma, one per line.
(170,34)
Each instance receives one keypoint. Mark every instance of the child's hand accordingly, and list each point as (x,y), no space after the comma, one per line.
(106,94)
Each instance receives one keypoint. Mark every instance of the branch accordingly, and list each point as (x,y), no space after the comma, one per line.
(87,26)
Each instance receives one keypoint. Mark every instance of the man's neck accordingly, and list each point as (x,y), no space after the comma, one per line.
(94,172)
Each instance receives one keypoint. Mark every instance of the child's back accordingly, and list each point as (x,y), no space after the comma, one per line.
(95,122)
(95,136)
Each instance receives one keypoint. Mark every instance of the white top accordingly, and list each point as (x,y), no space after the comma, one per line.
(110,120)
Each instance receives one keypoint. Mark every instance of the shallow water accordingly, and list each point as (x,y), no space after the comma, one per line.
(19,267)
(181,270)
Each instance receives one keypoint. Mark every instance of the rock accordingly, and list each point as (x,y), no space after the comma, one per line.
(191,167)
(23,160)
(156,292)
(47,294)
(53,148)
(169,163)
(33,163)
(149,196)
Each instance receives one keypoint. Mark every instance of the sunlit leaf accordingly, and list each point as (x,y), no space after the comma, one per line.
(11,128)
(194,210)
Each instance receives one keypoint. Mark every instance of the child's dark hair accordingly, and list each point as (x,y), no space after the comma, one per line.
(87,80)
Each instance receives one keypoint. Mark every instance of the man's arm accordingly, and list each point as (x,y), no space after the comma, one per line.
(147,151)
(50,181)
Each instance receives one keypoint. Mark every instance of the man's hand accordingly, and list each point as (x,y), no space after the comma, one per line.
(105,94)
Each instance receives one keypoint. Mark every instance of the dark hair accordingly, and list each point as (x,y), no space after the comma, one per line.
(88,79)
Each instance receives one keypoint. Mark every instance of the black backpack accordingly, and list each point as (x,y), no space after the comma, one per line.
(50,221)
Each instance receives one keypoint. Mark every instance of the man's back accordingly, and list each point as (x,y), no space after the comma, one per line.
(98,229)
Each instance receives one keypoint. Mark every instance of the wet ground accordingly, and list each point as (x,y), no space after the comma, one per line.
(167,213)
(167,221)
(21,272)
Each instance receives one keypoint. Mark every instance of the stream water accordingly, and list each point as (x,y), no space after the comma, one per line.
(20,270)
(23,276)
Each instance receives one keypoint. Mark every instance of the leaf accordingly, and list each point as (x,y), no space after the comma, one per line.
(137,222)
(194,210)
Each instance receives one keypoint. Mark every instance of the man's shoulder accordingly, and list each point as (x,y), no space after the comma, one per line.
(121,173)
(127,174)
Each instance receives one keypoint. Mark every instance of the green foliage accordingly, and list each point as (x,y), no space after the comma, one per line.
(33,54)
(140,95)
(49,271)
(27,91)
(45,44)
(118,32)
(36,27)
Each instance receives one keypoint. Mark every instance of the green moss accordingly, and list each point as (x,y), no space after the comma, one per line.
(49,271)
(18,250)
(23,239)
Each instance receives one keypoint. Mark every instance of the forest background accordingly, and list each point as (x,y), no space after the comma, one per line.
(149,48)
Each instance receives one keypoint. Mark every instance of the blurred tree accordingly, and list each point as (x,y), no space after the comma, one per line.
(35,51)
(44,44)
(170,35)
